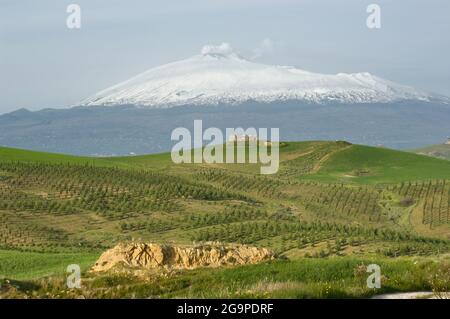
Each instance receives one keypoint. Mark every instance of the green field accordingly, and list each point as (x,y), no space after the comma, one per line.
(365,164)
(331,204)
(343,277)
(28,265)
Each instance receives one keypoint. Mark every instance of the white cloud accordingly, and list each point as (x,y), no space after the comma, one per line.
(223,49)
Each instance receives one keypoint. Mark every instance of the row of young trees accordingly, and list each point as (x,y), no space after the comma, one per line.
(334,200)
(252,232)
(230,181)
(228,215)
(310,160)
(112,192)
(433,199)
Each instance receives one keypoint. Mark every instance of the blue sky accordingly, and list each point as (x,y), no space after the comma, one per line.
(45,64)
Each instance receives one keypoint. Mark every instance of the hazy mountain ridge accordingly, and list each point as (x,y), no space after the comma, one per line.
(122,130)
(439,151)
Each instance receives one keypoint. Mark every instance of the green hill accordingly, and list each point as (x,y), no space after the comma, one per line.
(321,161)
(331,162)
(8,154)
(328,199)
(366,164)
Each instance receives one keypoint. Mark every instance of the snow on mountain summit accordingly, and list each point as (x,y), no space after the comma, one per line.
(220,75)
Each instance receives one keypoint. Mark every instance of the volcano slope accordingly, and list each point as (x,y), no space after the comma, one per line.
(332,205)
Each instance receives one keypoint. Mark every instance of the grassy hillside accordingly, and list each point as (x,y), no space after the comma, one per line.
(8,154)
(331,162)
(27,265)
(322,161)
(343,277)
(328,200)
(14,154)
(366,164)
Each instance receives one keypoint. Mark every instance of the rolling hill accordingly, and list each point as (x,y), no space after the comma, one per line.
(328,200)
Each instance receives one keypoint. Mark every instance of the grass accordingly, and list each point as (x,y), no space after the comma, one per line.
(353,164)
(307,278)
(27,265)
(370,165)
(8,154)
(13,154)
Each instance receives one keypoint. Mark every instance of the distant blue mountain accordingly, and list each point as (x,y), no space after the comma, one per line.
(121,130)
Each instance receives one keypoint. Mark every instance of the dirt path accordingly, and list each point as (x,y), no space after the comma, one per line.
(320,162)
(411,295)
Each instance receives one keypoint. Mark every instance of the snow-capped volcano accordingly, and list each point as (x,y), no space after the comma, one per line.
(219,75)
(359,108)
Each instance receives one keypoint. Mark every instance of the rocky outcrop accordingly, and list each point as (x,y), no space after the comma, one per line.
(151,256)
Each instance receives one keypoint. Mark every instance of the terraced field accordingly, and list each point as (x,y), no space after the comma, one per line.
(329,199)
